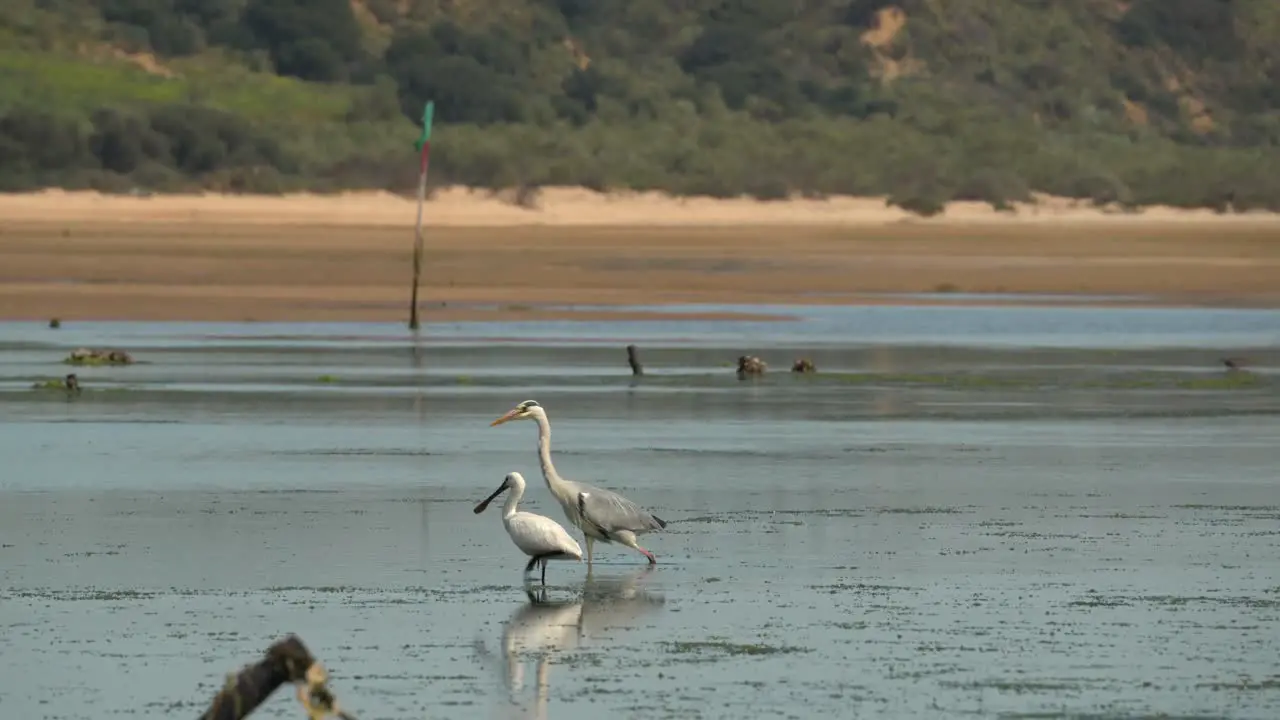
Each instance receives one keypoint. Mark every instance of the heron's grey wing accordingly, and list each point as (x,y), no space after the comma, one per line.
(587,514)
(611,512)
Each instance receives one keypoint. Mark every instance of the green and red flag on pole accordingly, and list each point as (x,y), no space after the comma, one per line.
(424,146)
(423,143)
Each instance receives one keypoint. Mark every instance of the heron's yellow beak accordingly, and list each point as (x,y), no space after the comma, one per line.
(505,418)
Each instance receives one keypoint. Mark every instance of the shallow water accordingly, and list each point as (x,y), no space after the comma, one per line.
(1027,527)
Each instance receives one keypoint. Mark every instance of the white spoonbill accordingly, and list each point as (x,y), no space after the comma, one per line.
(538,536)
(601,514)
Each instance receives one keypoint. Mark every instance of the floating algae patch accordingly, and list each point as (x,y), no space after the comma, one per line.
(922,511)
(974,381)
(1245,684)
(1122,516)
(1096,600)
(706,519)
(858,625)
(58,384)
(85,594)
(861,588)
(1228,508)
(755,515)
(314,589)
(1183,600)
(730,649)
(1230,381)
(1065,715)
(1017,686)
(1179,381)
(957,380)
(354,452)
(1032,535)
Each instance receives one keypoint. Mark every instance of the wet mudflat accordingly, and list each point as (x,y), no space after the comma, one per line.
(993,529)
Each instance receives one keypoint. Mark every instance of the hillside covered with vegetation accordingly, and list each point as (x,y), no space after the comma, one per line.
(1131,103)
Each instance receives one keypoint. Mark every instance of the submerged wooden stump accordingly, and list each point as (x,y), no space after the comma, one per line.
(633,359)
(803,365)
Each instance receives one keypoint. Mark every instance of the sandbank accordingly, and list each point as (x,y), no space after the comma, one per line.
(77,255)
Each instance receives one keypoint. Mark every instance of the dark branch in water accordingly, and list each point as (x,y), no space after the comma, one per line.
(286,661)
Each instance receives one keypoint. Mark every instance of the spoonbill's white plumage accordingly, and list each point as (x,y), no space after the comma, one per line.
(601,514)
(537,536)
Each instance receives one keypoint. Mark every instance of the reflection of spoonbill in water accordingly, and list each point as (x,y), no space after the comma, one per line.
(546,628)
(601,514)
(539,537)
(543,628)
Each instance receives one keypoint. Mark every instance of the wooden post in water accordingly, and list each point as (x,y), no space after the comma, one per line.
(424,148)
(633,359)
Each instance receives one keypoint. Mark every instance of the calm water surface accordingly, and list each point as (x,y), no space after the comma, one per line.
(996,512)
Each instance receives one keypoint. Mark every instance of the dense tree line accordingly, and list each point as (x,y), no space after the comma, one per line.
(987,99)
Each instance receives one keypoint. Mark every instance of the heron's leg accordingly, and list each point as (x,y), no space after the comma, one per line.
(628,538)
(590,543)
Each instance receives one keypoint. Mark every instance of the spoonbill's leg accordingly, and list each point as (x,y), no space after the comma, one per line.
(544,571)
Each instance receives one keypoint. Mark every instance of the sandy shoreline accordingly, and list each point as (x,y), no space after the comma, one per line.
(86,256)
(455,207)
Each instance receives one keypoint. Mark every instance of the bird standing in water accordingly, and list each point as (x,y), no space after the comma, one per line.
(538,536)
(601,514)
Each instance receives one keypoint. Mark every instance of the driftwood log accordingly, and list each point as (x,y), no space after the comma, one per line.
(286,661)
(633,359)
(94,356)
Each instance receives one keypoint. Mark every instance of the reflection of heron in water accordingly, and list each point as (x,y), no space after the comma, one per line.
(545,628)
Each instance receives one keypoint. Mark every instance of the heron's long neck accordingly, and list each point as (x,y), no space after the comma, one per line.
(513,499)
(554,481)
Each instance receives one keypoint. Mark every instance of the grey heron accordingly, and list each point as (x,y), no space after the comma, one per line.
(601,514)
(538,536)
